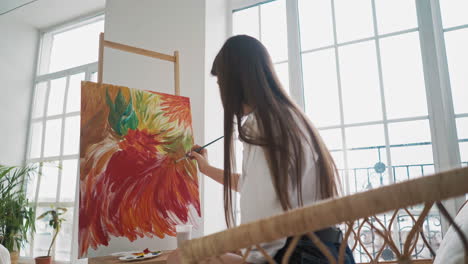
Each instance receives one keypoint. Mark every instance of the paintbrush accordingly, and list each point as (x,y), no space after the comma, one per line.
(198,150)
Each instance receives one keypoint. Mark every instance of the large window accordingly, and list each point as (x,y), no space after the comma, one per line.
(365,85)
(369,106)
(455,27)
(68,56)
(267,23)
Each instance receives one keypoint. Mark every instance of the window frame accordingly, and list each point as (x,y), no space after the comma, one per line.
(441,117)
(47,36)
(259,5)
(42,65)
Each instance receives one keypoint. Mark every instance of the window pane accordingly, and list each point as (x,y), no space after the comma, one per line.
(321,88)
(32,184)
(462,131)
(339,159)
(75,47)
(405,94)
(353,19)
(316,25)
(36,140)
(366,152)
(407,172)
(74,92)
(457,55)
(274,30)
(246,22)
(72,135)
(395,15)
(43,235)
(332,138)
(26,249)
(56,96)
(48,182)
(412,155)
(415,135)
(64,238)
(464,153)
(462,128)
(365,173)
(413,132)
(282,71)
(454,12)
(52,137)
(39,100)
(365,136)
(360,83)
(68,181)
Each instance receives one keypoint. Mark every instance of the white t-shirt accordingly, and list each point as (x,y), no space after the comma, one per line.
(4,255)
(258,198)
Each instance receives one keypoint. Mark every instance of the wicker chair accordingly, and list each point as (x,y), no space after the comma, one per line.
(352,211)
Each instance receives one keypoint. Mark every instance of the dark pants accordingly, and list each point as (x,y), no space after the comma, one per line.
(307,252)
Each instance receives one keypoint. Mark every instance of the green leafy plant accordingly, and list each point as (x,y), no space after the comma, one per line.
(54,216)
(17,215)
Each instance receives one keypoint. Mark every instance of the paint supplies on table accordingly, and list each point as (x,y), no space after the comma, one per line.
(137,255)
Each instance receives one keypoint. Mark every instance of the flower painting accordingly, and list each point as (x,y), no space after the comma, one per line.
(130,183)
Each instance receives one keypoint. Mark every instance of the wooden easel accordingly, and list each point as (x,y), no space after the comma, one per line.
(148,53)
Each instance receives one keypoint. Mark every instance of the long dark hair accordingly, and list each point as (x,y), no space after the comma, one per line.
(246,76)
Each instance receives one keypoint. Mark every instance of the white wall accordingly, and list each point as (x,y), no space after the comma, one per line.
(165,26)
(216,32)
(18,47)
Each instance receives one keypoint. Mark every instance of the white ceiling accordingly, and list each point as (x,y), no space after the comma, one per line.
(47,13)
(8,5)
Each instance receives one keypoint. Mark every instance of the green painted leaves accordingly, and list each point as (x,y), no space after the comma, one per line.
(122,117)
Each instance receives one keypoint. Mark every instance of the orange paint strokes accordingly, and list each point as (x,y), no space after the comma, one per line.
(177,109)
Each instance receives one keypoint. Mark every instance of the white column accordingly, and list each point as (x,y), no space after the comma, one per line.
(294,53)
(439,97)
(218,16)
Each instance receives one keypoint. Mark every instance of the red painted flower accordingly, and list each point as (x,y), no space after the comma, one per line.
(141,192)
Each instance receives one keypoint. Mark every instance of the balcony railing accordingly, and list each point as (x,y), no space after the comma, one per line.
(365,178)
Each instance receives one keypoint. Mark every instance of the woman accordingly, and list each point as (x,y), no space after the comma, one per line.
(285,162)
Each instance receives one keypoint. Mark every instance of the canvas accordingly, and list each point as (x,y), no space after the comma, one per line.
(130,185)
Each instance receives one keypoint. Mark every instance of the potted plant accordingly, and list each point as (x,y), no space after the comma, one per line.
(54,216)
(16,213)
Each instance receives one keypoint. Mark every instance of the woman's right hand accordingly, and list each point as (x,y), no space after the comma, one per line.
(210,171)
(201,158)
